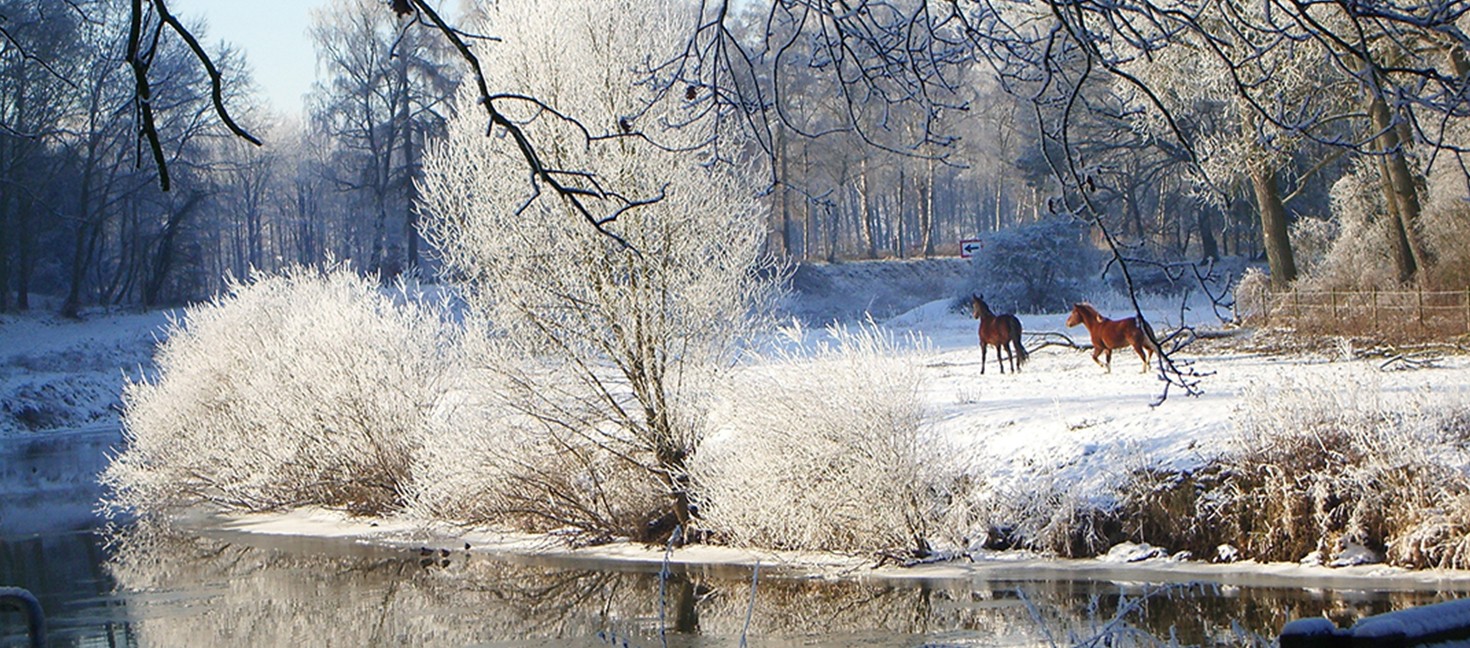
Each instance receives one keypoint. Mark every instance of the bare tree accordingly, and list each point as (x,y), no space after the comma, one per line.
(386,85)
(40,48)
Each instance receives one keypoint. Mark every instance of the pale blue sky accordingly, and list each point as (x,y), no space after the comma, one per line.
(273,35)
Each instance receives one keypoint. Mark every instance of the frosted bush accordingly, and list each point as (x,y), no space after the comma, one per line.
(1446,228)
(827,450)
(1252,293)
(1358,257)
(303,388)
(1041,267)
(1311,241)
(498,455)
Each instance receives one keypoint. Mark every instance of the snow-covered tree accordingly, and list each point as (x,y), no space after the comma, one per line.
(1044,266)
(607,333)
(384,89)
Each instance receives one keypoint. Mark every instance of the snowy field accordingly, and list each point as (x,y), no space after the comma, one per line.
(61,374)
(1064,417)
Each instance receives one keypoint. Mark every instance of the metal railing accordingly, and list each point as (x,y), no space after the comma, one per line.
(28,604)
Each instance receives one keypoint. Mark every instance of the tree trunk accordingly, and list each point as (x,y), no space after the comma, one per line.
(163,257)
(900,216)
(1398,239)
(6,244)
(410,172)
(865,206)
(782,185)
(1273,226)
(808,229)
(1209,248)
(926,220)
(1135,215)
(1402,193)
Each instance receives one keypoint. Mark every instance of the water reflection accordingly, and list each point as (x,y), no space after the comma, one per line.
(148,586)
(183,589)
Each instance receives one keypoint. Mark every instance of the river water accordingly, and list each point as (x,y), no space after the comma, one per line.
(153,587)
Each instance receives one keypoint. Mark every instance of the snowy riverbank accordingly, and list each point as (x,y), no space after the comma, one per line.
(1059,437)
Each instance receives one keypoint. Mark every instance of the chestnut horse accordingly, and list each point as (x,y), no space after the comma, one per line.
(1113,334)
(1000,331)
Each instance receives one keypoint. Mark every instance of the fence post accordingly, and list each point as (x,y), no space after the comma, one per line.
(1265,305)
(1375,311)
(1467,309)
(1334,304)
(1422,328)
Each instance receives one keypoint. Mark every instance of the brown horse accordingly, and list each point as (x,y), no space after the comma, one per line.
(999,331)
(1114,334)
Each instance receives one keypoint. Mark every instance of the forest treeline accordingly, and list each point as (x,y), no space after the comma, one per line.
(83,219)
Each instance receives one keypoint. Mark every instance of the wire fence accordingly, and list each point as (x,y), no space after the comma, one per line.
(1391,314)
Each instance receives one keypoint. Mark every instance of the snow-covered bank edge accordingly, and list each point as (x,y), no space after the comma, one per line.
(415,536)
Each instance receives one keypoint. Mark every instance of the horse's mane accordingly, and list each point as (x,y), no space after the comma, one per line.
(1087,308)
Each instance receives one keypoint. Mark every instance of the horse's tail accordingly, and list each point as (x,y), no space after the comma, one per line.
(1019,351)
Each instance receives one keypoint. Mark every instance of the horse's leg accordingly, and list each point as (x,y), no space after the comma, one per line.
(982,356)
(1000,359)
(1139,349)
(1109,355)
(1097,350)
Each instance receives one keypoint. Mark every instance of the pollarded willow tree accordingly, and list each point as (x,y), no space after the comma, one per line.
(607,331)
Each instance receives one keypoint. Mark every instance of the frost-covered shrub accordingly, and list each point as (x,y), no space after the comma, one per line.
(1358,256)
(507,449)
(1319,468)
(1044,266)
(303,388)
(827,451)
(1252,293)
(1446,228)
(1311,241)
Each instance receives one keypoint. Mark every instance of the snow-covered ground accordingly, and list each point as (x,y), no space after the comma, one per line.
(62,374)
(1061,425)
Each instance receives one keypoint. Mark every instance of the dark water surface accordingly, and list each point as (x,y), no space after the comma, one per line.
(149,587)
